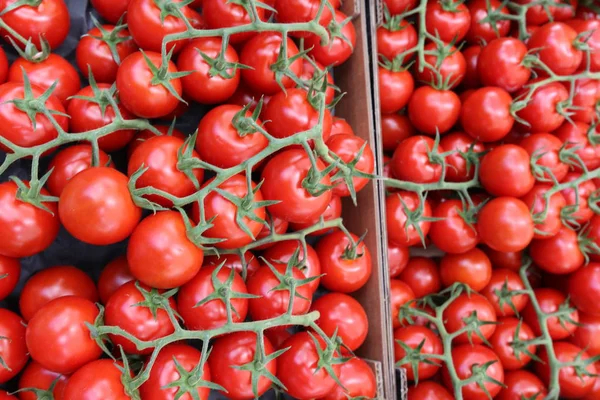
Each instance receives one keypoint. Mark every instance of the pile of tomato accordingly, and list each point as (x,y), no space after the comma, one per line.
(238,272)
(489,125)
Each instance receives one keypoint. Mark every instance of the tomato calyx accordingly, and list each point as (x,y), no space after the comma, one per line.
(335,30)
(247,125)
(312,181)
(111,37)
(30,192)
(282,66)
(41,394)
(127,380)
(414,357)
(522,347)
(190,381)
(505,296)
(220,66)
(472,325)
(391,22)
(414,218)
(451,5)
(481,376)
(330,355)
(287,282)
(587,244)
(31,53)
(170,8)
(21,3)
(104,98)
(394,65)
(186,162)
(162,76)
(351,252)
(154,300)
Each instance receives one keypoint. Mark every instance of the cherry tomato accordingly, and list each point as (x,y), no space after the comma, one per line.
(545,148)
(541,112)
(506,171)
(333,211)
(414,160)
(452,232)
(278,225)
(508,260)
(413,337)
(394,129)
(13,350)
(432,111)
(576,138)
(505,224)
(587,334)
(554,46)
(310,265)
(141,136)
(35,376)
(584,284)
(339,48)
(450,69)
(428,390)
(504,56)
(484,32)
(486,114)
(342,314)
(448,21)
(111,10)
(472,268)
(504,340)
(471,79)
(113,276)
(400,6)
(395,89)
(550,300)
(351,149)
(455,143)
(234,262)
(396,38)
(559,254)
(223,14)
(400,295)
(498,292)
(466,307)
(313,74)
(398,258)
(422,275)
(357,378)
(398,231)
(100,379)
(577,199)
(521,384)
(586,94)
(10,271)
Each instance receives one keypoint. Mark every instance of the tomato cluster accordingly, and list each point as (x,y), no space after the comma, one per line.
(238,274)
(489,121)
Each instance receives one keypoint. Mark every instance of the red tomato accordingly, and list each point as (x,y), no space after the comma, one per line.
(507,260)
(395,89)
(422,275)
(471,79)
(450,69)
(35,376)
(96,207)
(15,125)
(545,149)
(313,75)
(592,232)
(554,44)
(470,307)
(351,149)
(467,359)
(161,384)
(484,32)
(234,262)
(346,266)
(584,285)
(141,136)
(208,84)
(111,10)
(394,129)
(3,66)
(282,252)
(52,283)
(113,276)
(535,200)
(501,64)
(400,6)
(432,110)
(414,337)
(576,138)
(357,378)
(161,241)
(559,254)
(498,292)
(504,343)
(572,384)
(302,11)
(137,91)
(333,211)
(415,160)
(297,368)
(285,178)
(5,396)
(100,379)
(577,199)
(521,384)
(453,232)
(340,47)
(398,259)
(587,334)
(13,350)
(541,112)
(396,38)
(458,169)
(400,295)
(60,322)
(237,349)
(448,21)
(539,14)
(342,314)
(10,271)
(586,95)
(223,14)
(398,231)
(472,268)
(486,114)
(505,224)
(278,225)
(26,229)
(428,390)
(506,171)
(550,301)
(49,20)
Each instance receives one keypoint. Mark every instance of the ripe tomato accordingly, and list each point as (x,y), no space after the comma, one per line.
(506,171)
(448,21)
(223,14)
(13,350)
(576,137)
(587,334)
(503,343)
(87,115)
(237,349)
(559,254)
(297,368)
(484,32)
(414,160)
(3,67)
(282,252)
(347,148)
(554,46)
(311,74)
(584,284)
(450,69)
(160,156)
(96,207)
(53,70)
(422,275)
(592,232)
(414,337)
(165,372)
(536,202)
(458,169)
(273,302)
(486,114)
(398,258)
(546,148)
(502,282)
(396,39)
(541,112)
(52,283)
(113,276)
(586,95)
(398,231)
(522,384)
(161,241)
(466,307)
(432,110)
(505,224)
(357,378)
(111,10)
(508,260)
(37,377)
(400,295)
(346,266)
(49,20)
(395,89)
(578,200)
(501,64)
(5,396)
(428,390)
(339,48)
(333,211)
(394,129)
(137,92)
(206,85)
(233,261)
(141,136)
(572,384)
(400,6)
(95,54)
(472,268)
(15,125)
(550,300)
(278,225)
(342,314)
(302,11)
(10,271)
(471,79)
(100,379)
(26,229)
(60,322)
(452,233)
(286,177)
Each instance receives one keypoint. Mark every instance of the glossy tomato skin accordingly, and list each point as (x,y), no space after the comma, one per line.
(234,262)
(400,6)
(394,129)
(451,69)
(422,275)
(429,390)
(587,335)
(451,233)
(141,136)
(160,155)
(472,267)
(54,69)
(348,147)
(10,271)
(544,102)
(49,20)
(222,14)
(38,377)
(546,148)
(501,64)
(63,321)
(549,301)
(309,264)
(333,211)
(584,285)
(87,115)
(396,218)
(111,10)
(412,160)
(211,314)
(506,171)
(502,340)
(138,94)
(505,224)
(283,177)
(578,198)
(237,349)
(466,356)
(96,207)
(357,378)
(413,337)
(587,94)
(160,241)
(16,126)
(484,32)
(297,368)
(311,74)
(52,283)
(392,42)
(449,23)
(3,66)
(559,254)
(94,54)
(69,162)
(575,137)
(521,384)
(100,379)
(342,313)
(457,169)
(400,295)
(432,110)
(201,86)
(464,307)
(485,114)
(500,259)
(301,11)
(113,276)
(338,50)
(505,280)
(12,345)
(164,372)
(398,257)
(555,47)
(592,40)
(26,229)
(395,89)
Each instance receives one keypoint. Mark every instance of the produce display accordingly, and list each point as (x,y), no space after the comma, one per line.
(489,123)
(238,274)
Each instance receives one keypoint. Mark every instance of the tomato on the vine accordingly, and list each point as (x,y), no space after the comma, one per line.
(559,254)
(486,114)
(522,383)
(428,390)
(428,343)
(502,292)
(422,275)
(550,301)
(111,10)
(505,224)
(472,268)
(449,21)
(505,343)
(100,379)
(309,264)
(417,159)
(584,286)
(394,129)
(401,295)
(351,149)
(233,261)
(403,229)
(113,276)
(396,39)
(340,46)
(450,69)
(555,46)
(357,379)
(433,111)
(395,89)
(223,14)
(37,377)
(506,171)
(484,32)
(453,231)
(13,349)
(467,307)
(502,63)
(587,334)
(342,314)
(542,111)
(397,257)
(462,147)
